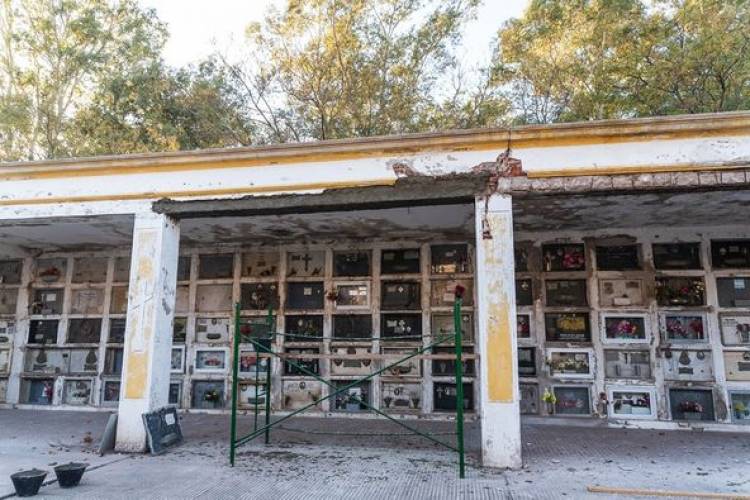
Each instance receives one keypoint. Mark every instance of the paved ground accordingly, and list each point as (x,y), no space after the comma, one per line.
(306,461)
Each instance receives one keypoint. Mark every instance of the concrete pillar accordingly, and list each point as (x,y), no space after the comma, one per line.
(148,330)
(496,321)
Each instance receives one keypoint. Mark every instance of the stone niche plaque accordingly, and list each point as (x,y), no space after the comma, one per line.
(257,327)
(110,392)
(444,397)
(564,257)
(567,327)
(450,259)
(524,292)
(249,395)
(400,295)
(306,264)
(354,399)
(737,365)
(77,392)
(302,366)
(87,301)
(527,362)
(680,291)
(90,269)
(690,365)
(212,330)
(521,258)
(38,391)
(620,293)
(50,270)
(627,364)
(7,331)
(631,402)
(43,331)
(624,328)
(250,364)
(182,299)
(175,393)
(730,254)
(735,329)
(301,296)
(113,361)
(210,360)
(443,292)
(352,295)
(683,328)
(8,300)
(570,363)
(177,363)
(412,367)
(179,330)
(47,301)
(304,328)
(84,331)
(352,327)
(691,404)
(572,400)
(260,264)
(10,272)
(447,367)
(401,397)
(213,298)
(344,366)
(353,263)
(259,296)
(443,327)
(618,258)
(404,327)
(677,255)
(733,292)
(183,268)
(529,402)
(208,394)
(297,394)
(565,293)
(85,360)
(400,261)
(215,266)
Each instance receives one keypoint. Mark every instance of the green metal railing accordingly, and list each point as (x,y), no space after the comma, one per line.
(263,348)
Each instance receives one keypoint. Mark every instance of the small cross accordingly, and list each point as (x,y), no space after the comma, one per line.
(307,259)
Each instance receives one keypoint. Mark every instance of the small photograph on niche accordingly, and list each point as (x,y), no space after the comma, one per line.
(354,399)
(570,363)
(733,292)
(302,366)
(47,301)
(564,257)
(8,300)
(175,394)
(352,327)
(565,293)
(521,258)
(51,270)
(446,367)
(527,362)
(737,365)
(624,329)
(179,330)
(740,405)
(352,295)
(450,259)
(7,331)
(635,365)
(43,331)
(730,254)
(111,392)
(677,255)
(251,364)
(444,396)
(688,365)
(354,263)
(683,328)
(400,295)
(116,331)
(398,397)
(632,403)
(400,261)
(304,328)
(306,264)
(210,360)
(10,272)
(308,296)
(87,301)
(212,330)
(84,331)
(618,258)
(735,329)
(672,291)
(260,264)
(691,404)
(39,391)
(90,269)
(620,293)
(77,392)
(259,296)
(529,399)
(215,266)
(567,327)
(208,394)
(571,400)
(524,295)
(523,326)
(405,327)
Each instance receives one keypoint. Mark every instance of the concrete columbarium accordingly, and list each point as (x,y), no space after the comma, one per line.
(606,268)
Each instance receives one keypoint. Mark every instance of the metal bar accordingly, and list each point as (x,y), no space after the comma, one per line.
(459,387)
(235,382)
(255,400)
(268,377)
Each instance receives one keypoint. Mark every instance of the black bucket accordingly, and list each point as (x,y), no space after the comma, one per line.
(69,475)
(28,482)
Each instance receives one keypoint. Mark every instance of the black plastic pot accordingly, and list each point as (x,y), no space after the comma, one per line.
(69,475)
(28,482)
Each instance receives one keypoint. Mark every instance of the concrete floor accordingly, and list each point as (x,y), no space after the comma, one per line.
(325,458)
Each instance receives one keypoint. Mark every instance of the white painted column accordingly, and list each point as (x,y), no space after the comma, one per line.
(148,330)
(496,321)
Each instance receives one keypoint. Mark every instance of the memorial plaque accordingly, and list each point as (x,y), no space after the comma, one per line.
(87,301)
(673,291)
(259,296)
(521,258)
(527,362)
(406,327)
(620,293)
(215,266)
(122,270)
(570,363)
(347,366)
(683,364)
(84,331)
(564,257)
(113,361)
(162,429)
(257,327)
(737,365)
(444,396)
(733,292)
(443,292)
(110,392)
(354,399)
(250,395)
(400,261)
(572,400)
(450,259)
(400,295)
(352,295)
(523,326)
(303,328)
(352,327)
(177,363)
(401,397)
(529,402)
(250,364)
(443,328)
(677,255)
(39,391)
(47,301)
(210,360)
(306,264)
(567,327)
(740,405)
(4,360)
(10,272)
(208,394)
(524,292)
(447,367)
(47,361)
(683,327)
(302,366)
(77,392)
(618,258)
(183,268)
(8,301)
(624,328)
(84,360)
(7,331)
(354,263)
(565,293)
(212,330)
(632,403)
(305,296)
(213,298)
(730,254)
(179,330)
(90,269)
(735,329)
(43,331)
(298,394)
(691,404)
(119,300)
(51,270)
(260,264)
(635,365)
(411,367)
(182,299)
(175,394)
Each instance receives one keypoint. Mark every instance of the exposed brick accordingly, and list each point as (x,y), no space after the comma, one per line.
(578,183)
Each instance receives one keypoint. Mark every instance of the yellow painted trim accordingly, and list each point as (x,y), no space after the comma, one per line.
(150,195)
(633,170)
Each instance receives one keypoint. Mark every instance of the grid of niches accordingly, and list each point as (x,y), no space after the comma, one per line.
(635,330)
(11,272)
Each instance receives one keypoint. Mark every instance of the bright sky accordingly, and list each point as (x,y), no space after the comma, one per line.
(193,24)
